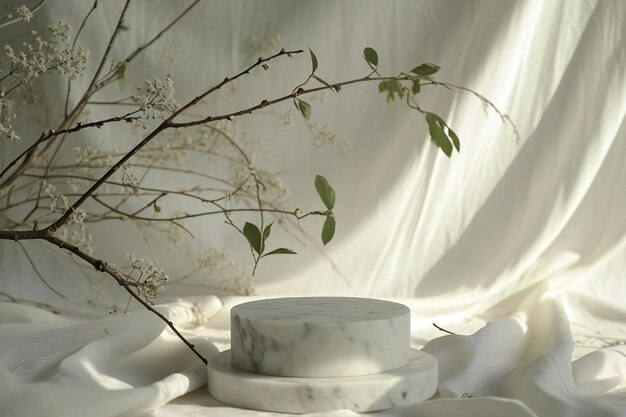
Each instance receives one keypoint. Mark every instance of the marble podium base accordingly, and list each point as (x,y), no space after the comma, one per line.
(316,354)
(409,384)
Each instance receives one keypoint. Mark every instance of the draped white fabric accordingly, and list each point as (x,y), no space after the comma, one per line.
(518,246)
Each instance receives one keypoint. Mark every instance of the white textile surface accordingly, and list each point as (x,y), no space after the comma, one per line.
(518,247)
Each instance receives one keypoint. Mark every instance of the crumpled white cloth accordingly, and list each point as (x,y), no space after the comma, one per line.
(117,365)
(131,365)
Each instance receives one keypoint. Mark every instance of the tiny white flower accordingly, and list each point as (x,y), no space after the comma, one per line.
(77,217)
(24,12)
(58,203)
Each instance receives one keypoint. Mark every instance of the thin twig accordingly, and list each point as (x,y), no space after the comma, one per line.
(45,306)
(41,278)
(45,136)
(166,124)
(80,29)
(442,329)
(34,154)
(266,103)
(140,49)
(18,18)
(122,280)
(112,75)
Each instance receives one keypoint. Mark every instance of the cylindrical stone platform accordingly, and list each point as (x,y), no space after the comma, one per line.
(320,336)
(311,354)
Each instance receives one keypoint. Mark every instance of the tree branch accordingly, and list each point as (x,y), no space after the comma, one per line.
(35,154)
(102,266)
(293,95)
(45,136)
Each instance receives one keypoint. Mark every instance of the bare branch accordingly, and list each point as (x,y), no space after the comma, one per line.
(45,136)
(140,49)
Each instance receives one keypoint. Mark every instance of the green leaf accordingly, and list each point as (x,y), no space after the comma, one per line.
(392,87)
(438,135)
(305,109)
(121,69)
(455,139)
(157,209)
(281,251)
(266,234)
(328,230)
(371,57)
(416,86)
(425,69)
(267,231)
(324,82)
(325,191)
(253,234)
(313,61)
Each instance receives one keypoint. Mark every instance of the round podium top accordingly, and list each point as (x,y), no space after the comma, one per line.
(320,309)
(320,336)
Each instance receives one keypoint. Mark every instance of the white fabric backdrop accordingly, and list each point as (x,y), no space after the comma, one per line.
(524,238)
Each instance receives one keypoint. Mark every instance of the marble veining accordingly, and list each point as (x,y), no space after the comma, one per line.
(414,382)
(320,336)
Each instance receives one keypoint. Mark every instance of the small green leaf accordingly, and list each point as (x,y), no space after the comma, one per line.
(416,86)
(305,109)
(253,234)
(267,231)
(425,69)
(325,191)
(157,209)
(121,69)
(437,133)
(371,57)
(266,234)
(455,139)
(392,87)
(324,82)
(328,230)
(281,251)
(313,61)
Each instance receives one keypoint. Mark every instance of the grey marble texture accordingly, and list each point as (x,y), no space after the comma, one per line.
(320,336)
(414,382)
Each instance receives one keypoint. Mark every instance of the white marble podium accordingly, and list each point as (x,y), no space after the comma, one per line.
(310,354)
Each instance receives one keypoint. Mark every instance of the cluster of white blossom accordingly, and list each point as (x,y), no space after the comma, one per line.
(23,12)
(58,202)
(6,115)
(156,99)
(130,180)
(152,278)
(40,54)
(53,50)
(78,217)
